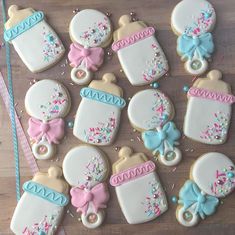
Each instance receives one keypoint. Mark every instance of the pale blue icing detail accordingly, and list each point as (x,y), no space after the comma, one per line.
(188,46)
(103,97)
(23,26)
(45,193)
(155,140)
(190,195)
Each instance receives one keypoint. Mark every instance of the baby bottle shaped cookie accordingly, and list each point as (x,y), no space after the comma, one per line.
(90,31)
(47,102)
(98,115)
(34,40)
(41,207)
(150,112)
(193,21)
(209,109)
(212,177)
(139,191)
(85,169)
(139,52)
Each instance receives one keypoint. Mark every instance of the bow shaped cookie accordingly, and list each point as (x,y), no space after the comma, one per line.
(190,194)
(91,57)
(52,130)
(188,46)
(155,140)
(81,197)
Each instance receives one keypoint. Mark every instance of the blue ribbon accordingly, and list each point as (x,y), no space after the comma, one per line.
(12,109)
(155,140)
(187,46)
(190,194)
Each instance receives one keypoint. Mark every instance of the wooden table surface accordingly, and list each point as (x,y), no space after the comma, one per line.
(157,13)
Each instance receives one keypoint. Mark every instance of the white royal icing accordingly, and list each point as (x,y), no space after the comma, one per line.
(143,205)
(211,173)
(34,214)
(85,166)
(90,28)
(47,100)
(149,109)
(211,127)
(193,17)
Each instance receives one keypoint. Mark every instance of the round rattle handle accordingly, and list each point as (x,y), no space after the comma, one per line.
(188,217)
(92,219)
(171,157)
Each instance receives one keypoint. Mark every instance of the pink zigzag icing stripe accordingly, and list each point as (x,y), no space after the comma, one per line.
(212,95)
(147,32)
(132,173)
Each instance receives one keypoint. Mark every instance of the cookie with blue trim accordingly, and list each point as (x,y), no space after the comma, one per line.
(192,21)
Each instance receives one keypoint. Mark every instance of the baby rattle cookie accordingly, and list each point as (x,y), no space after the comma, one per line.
(139,52)
(47,102)
(34,40)
(192,21)
(41,207)
(90,31)
(98,115)
(132,172)
(85,169)
(150,112)
(209,109)
(212,176)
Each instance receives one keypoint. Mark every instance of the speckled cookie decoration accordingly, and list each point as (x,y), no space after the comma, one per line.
(25,26)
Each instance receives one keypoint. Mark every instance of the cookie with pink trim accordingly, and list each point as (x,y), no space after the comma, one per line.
(212,176)
(98,115)
(150,111)
(192,21)
(91,31)
(209,109)
(47,102)
(85,169)
(138,188)
(139,52)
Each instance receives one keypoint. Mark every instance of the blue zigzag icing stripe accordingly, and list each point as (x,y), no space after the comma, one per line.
(23,26)
(102,96)
(45,193)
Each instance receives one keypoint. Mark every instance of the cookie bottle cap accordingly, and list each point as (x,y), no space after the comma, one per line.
(52,179)
(213,82)
(128,159)
(127,27)
(107,84)
(16,15)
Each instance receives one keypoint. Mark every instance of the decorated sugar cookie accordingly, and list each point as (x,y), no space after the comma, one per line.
(149,112)
(34,40)
(85,169)
(209,109)
(192,21)
(139,52)
(212,176)
(47,102)
(41,207)
(90,31)
(132,172)
(98,115)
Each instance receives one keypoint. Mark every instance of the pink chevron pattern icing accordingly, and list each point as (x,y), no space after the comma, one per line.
(132,173)
(147,32)
(212,95)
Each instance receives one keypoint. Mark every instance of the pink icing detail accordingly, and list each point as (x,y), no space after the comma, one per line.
(81,197)
(52,130)
(147,32)
(92,57)
(132,173)
(212,95)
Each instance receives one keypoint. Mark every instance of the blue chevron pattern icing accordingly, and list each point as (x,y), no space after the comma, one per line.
(45,193)
(23,26)
(102,96)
